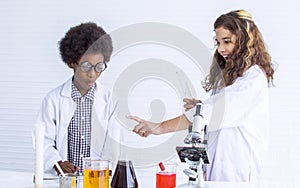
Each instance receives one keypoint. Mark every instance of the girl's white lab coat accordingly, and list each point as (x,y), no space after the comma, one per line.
(56,112)
(238,122)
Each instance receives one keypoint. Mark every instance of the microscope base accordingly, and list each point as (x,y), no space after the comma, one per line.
(189,186)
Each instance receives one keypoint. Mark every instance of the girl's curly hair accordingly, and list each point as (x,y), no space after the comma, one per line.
(82,39)
(249,50)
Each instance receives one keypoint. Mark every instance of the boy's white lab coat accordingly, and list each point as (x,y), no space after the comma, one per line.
(56,112)
(238,123)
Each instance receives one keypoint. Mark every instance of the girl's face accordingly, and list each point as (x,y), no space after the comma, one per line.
(225,42)
(85,80)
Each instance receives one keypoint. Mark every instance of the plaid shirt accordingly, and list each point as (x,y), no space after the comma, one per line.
(79,130)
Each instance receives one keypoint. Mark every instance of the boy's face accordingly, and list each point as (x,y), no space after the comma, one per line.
(85,80)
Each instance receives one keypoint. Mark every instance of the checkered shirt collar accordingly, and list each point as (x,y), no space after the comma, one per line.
(76,94)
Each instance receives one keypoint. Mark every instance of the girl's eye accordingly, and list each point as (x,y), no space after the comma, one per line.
(227,41)
(217,43)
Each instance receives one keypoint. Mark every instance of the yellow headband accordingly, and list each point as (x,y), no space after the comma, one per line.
(244,15)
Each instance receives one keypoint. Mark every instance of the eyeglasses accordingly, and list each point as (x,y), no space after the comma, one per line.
(87,66)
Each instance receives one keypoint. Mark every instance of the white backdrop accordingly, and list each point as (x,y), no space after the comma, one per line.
(31,66)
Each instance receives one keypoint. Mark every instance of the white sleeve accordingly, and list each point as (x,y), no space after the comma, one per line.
(190,113)
(235,103)
(46,116)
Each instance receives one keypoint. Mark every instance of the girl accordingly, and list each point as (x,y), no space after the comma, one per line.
(237,112)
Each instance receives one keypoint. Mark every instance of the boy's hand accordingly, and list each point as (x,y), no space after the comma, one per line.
(67,167)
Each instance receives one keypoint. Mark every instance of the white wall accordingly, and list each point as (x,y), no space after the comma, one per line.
(31,66)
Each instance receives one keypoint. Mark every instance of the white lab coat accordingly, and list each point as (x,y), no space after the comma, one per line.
(56,112)
(238,123)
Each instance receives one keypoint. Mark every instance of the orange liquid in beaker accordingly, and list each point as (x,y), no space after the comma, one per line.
(96,178)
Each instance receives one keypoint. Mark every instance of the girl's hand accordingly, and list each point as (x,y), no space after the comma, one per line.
(190,103)
(145,128)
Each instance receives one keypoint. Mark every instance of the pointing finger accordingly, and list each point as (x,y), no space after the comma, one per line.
(135,118)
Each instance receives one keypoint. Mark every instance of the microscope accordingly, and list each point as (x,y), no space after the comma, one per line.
(195,155)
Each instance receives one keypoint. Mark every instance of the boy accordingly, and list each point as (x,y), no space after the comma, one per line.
(78,114)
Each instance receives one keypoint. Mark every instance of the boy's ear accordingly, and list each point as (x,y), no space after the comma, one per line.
(71,65)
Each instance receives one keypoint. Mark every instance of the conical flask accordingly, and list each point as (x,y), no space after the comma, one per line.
(124,176)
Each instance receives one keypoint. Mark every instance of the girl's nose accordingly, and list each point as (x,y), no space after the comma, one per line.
(221,48)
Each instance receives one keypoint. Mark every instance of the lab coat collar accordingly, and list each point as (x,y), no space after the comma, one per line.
(67,87)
